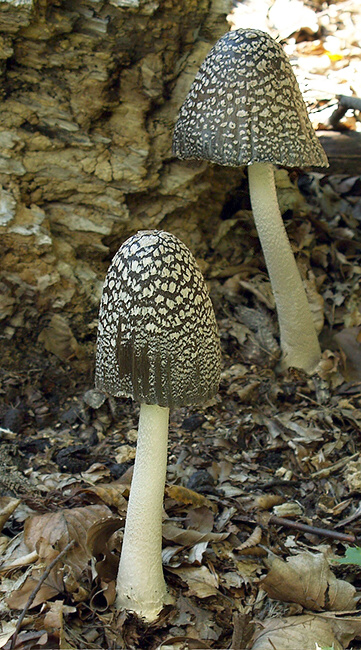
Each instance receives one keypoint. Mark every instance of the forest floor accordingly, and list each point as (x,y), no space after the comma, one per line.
(262,510)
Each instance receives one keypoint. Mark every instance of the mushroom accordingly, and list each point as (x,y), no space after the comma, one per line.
(158,344)
(245,108)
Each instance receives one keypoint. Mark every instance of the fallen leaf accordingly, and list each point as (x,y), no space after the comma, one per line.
(7,629)
(267,501)
(58,338)
(7,507)
(183,495)
(196,553)
(200,580)
(307,579)
(189,537)
(54,621)
(253,540)
(348,340)
(201,519)
(288,509)
(104,597)
(198,622)
(98,544)
(125,453)
(295,632)
(29,640)
(48,535)
(17,562)
(247,570)
(352,474)
(109,493)
(182,643)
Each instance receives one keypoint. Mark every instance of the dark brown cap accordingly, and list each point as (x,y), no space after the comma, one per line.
(157,337)
(245,106)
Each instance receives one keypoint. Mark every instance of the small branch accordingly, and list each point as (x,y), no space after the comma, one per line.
(344,103)
(313,530)
(326,471)
(350,102)
(36,590)
(336,117)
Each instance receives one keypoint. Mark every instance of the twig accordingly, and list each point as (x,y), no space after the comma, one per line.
(344,103)
(350,102)
(326,471)
(314,530)
(35,591)
(350,519)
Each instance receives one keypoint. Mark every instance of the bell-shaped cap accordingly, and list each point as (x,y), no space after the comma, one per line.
(245,106)
(157,336)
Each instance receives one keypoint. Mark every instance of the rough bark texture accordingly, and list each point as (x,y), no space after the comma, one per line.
(89,94)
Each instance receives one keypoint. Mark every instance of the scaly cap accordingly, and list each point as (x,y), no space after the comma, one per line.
(157,335)
(245,106)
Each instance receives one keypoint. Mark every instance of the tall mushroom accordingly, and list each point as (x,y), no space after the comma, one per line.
(157,343)
(245,108)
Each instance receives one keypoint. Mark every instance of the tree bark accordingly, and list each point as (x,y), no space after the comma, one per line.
(89,95)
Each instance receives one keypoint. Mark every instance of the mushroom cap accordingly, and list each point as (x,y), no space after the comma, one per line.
(245,106)
(157,336)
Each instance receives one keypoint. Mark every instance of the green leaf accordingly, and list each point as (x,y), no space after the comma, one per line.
(352,556)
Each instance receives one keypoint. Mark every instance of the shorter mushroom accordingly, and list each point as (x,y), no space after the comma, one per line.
(157,343)
(245,108)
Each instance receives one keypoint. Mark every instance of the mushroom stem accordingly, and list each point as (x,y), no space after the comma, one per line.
(141,586)
(298,336)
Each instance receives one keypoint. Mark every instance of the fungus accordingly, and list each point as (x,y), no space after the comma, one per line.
(245,108)
(158,344)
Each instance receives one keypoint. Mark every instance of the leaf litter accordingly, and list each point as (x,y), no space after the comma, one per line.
(270,453)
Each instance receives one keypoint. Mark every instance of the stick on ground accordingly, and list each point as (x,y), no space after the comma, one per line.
(35,591)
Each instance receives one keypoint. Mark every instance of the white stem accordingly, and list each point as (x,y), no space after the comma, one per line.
(141,586)
(299,341)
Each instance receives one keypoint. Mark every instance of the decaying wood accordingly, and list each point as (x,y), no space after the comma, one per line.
(343,149)
(89,95)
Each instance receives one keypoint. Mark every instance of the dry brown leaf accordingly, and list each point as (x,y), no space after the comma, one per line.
(32,640)
(18,562)
(247,569)
(288,509)
(295,632)
(104,597)
(267,501)
(109,493)
(7,629)
(348,340)
(352,474)
(345,627)
(55,530)
(200,580)
(199,621)
(183,495)
(182,643)
(98,544)
(195,555)
(253,540)
(201,519)
(18,598)
(49,534)
(7,507)
(54,621)
(58,338)
(307,579)
(190,537)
